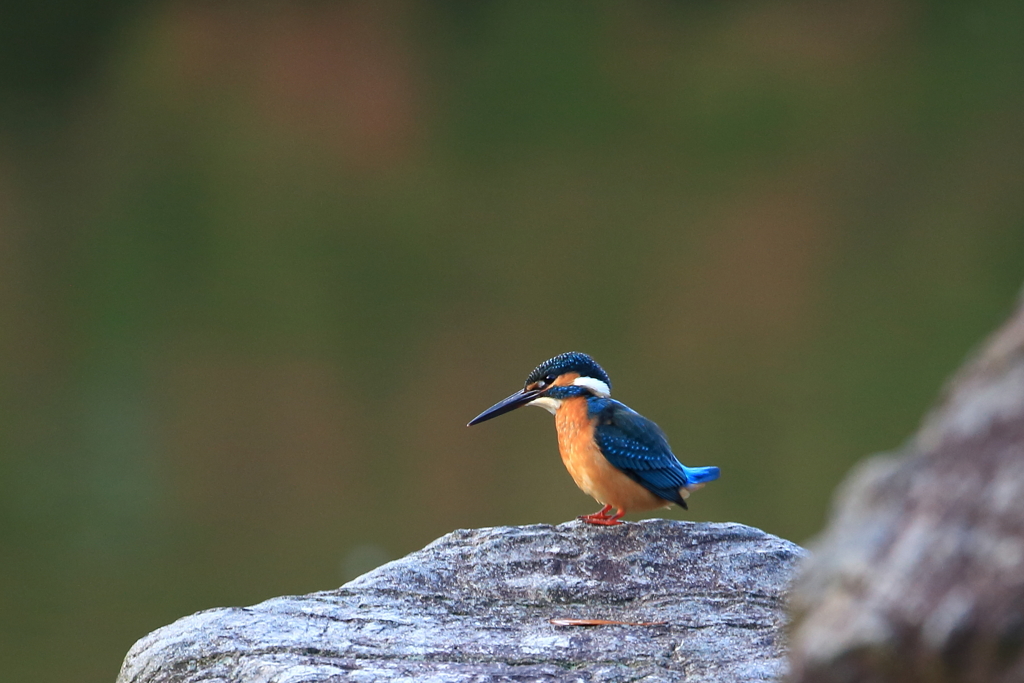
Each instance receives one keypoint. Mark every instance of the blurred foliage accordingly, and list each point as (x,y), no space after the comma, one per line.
(259,264)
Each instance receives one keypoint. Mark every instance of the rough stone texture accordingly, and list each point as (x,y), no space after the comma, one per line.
(920,574)
(475,604)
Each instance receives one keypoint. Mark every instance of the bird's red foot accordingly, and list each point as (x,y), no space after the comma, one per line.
(602,518)
(600,521)
(592,518)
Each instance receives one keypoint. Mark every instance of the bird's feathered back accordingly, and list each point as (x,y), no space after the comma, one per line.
(638,447)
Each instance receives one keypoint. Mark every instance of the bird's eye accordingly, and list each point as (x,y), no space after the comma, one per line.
(547,381)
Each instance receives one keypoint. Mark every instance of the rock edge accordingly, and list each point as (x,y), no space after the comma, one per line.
(475,605)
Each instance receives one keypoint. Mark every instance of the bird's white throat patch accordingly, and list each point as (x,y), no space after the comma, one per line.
(594,384)
(547,403)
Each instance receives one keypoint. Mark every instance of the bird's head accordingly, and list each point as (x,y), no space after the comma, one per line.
(551,382)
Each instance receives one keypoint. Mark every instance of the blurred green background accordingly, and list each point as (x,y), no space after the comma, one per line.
(260,263)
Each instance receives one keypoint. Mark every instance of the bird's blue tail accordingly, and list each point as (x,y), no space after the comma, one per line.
(701,475)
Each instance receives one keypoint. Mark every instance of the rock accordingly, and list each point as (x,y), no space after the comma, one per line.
(920,574)
(475,605)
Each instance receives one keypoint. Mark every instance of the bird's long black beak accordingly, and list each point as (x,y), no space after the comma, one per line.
(516,400)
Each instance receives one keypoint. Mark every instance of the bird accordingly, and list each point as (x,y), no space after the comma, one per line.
(615,455)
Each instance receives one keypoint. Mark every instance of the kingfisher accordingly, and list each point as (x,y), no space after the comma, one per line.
(615,455)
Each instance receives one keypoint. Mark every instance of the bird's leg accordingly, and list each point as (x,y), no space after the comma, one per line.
(602,519)
(603,514)
(608,521)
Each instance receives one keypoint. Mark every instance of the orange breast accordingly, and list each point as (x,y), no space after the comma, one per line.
(591,471)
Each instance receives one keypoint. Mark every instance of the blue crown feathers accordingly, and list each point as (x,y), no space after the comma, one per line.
(573,361)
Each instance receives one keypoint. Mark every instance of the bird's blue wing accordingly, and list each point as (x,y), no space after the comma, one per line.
(638,447)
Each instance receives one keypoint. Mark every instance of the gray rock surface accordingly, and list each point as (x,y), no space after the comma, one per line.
(475,605)
(920,573)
